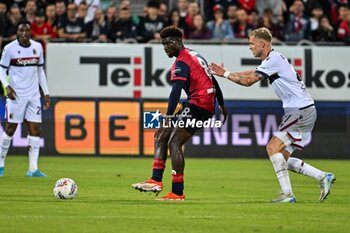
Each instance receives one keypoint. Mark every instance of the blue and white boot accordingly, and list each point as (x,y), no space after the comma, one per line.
(36,173)
(2,170)
(285,198)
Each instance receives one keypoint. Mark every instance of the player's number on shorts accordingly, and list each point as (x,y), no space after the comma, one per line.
(38,110)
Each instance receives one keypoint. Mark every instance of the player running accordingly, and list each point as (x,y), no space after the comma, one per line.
(23,59)
(189,72)
(299,113)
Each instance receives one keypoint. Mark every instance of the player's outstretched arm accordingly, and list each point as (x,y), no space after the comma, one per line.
(246,78)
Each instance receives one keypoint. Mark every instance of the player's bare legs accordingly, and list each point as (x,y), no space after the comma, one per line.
(5,142)
(274,149)
(161,138)
(34,129)
(178,138)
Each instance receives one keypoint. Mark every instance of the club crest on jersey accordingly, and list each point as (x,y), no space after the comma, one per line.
(34,51)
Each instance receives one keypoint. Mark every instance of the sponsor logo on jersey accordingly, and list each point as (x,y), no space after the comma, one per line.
(30,61)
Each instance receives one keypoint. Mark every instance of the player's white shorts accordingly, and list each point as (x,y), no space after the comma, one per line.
(23,109)
(296,128)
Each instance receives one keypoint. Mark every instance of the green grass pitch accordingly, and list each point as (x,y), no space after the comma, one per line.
(223,195)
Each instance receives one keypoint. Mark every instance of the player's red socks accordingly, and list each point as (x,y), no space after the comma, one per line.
(158,169)
(178,184)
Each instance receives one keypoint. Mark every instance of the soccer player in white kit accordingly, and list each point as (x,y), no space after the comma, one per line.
(23,59)
(299,113)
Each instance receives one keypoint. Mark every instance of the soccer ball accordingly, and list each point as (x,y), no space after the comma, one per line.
(65,188)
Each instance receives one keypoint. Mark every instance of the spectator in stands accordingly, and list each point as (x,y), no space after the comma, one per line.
(242,28)
(13,18)
(231,14)
(72,28)
(61,11)
(92,6)
(274,5)
(30,10)
(174,19)
(342,14)
(254,19)
(182,5)
(193,9)
(199,30)
(220,27)
(98,29)
(163,10)
(316,14)
(41,30)
(276,29)
(126,4)
(298,25)
(325,31)
(208,7)
(50,13)
(111,14)
(124,28)
(151,24)
(344,29)
(82,12)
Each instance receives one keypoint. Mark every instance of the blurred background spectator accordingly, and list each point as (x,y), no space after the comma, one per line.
(141,21)
(152,23)
(13,17)
(41,30)
(242,28)
(70,27)
(97,29)
(298,26)
(220,28)
(124,28)
(91,7)
(199,30)
(30,10)
(324,32)
(175,19)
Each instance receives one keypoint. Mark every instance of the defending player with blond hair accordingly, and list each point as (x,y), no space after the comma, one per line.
(299,112)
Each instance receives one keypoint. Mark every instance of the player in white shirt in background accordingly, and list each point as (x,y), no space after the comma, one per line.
(299,113)
(23,60)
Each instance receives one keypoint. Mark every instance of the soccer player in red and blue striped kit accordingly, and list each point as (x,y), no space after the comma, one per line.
(189,72)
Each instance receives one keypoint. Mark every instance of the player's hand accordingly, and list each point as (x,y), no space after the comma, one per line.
(216,69)
(47,102)
(224,113)
(11,93)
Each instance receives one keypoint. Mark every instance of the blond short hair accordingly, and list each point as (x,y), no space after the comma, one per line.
(262,33)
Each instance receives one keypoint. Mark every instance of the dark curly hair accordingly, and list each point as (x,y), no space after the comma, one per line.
(171,31)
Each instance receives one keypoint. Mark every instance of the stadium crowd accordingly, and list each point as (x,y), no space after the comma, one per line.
(219,20)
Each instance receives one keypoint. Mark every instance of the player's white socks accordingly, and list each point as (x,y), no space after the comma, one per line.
(5,142)
(281,169)
(33,152)
(299,166)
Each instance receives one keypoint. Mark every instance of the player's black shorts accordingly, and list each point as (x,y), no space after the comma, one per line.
(190,112)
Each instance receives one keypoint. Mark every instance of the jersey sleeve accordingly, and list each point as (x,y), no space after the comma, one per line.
(5,58)
(181,71)
(41,57)
(267,68)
